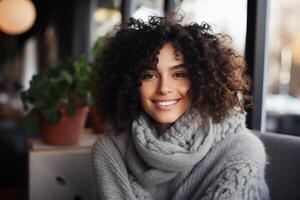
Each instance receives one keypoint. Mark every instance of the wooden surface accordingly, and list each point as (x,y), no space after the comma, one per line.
(86,141)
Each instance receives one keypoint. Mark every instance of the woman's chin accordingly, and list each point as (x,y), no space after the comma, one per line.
(167,120)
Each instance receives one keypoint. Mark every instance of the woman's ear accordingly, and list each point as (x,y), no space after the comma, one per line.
(139,83)
(190,92)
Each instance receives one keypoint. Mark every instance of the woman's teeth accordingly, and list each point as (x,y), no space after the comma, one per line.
(166,103)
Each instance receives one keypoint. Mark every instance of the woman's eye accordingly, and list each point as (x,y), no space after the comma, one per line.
(180,75)
(148,76)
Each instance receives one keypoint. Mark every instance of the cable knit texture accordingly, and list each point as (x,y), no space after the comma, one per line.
(193,159)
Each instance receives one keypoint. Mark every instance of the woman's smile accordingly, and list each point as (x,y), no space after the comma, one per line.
(165,104)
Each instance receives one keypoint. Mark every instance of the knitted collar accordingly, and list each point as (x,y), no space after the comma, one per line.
(156,159)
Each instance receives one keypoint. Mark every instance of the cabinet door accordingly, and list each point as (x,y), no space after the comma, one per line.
(61,175)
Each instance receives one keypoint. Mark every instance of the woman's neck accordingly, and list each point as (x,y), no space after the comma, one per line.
(161,127)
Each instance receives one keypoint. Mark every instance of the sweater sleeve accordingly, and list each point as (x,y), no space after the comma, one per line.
(110,172)
(238,181)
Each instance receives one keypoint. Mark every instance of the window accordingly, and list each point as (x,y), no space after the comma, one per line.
(144,8)
(106,16)
(283,99)
(226,16)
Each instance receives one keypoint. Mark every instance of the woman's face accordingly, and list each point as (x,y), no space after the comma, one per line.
(164,91)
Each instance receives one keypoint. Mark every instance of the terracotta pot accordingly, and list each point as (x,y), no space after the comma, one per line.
(67,131)
(96,121)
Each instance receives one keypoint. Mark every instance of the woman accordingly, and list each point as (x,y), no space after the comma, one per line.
(174,98)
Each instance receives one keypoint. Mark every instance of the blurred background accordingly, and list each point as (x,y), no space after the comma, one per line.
(56,30)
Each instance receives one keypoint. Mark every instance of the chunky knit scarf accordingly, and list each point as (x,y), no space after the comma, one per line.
(155,159)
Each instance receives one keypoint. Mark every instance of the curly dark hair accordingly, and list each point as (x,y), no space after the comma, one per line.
(216,71)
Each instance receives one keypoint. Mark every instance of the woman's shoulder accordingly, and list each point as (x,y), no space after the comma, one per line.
(237,138)
(103,142)
(247,146)
(249,141)
(109,143)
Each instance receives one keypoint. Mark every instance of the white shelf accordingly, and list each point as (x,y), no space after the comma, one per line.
(61,172)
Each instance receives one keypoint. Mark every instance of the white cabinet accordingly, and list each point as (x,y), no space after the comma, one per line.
(61,172)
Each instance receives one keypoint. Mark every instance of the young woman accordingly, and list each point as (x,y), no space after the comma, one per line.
(174,99)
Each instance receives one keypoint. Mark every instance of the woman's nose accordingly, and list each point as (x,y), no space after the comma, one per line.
(165,86)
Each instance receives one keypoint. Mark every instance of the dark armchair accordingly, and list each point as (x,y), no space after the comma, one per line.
(283,170)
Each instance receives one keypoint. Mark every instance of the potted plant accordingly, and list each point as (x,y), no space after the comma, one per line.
(98,124)
(57,101)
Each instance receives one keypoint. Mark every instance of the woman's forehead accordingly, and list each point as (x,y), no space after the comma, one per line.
(167,55)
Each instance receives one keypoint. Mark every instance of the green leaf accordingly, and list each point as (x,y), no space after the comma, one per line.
(32,121)
(55,69)
(71,109)
(89,99)
(52,114)
(24,99)
(66,76)
(98,45)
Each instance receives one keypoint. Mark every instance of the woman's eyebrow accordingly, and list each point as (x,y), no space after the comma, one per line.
(174,67)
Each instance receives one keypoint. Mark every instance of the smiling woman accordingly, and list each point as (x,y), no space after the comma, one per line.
(174,96)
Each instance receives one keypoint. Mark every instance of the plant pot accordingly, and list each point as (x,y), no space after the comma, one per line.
(97,123)
(67,131)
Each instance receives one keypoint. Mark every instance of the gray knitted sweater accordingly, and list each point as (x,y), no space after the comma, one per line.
(192,160)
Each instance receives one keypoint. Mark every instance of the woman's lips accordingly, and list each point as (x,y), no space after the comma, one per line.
(165,104)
